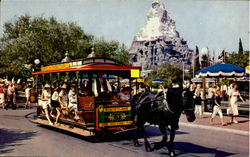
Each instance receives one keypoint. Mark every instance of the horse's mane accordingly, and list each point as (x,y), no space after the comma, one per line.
(174,97)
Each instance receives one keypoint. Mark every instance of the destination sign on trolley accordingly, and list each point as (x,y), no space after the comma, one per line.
(135,73)
(54,67)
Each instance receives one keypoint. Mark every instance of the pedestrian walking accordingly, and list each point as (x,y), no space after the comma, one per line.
(217,108)
(198,90)
(233,103)
(161,89)
(10,96)
(198,104)
(2,96)
(27,96)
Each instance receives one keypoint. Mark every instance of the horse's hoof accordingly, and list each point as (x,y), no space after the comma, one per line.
(158,146)
(172,153)
(136,144)
(148,148)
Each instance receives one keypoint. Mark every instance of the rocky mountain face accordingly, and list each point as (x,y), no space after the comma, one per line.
(158,42)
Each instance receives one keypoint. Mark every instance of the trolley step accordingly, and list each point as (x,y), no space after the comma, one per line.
(65,127)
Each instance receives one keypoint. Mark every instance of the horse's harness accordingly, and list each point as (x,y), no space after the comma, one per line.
(164,100)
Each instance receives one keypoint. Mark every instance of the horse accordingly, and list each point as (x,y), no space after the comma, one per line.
(163,110)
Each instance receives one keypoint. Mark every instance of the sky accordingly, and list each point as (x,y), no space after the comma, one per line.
(216,24)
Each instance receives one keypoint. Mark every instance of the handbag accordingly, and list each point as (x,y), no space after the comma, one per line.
(229,111)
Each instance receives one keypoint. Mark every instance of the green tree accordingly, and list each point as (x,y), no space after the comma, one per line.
(241,60)
(122,55)
(169,73)
(196,60)
(29,38)
(240,47)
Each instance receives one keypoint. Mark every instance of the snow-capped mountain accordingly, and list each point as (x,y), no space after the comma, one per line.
(158,24)
(158,42)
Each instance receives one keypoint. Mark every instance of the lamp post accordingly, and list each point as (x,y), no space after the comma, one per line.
(37,62)
(183,70)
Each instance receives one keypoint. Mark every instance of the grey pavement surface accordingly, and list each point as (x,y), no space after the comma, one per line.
(20,137)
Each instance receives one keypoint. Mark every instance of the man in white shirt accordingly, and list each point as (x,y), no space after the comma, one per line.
(72,98)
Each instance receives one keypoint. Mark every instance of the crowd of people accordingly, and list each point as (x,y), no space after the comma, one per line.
(8,94)
(214,96)
(63,98)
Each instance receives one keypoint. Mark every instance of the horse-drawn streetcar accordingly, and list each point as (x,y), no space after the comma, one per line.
(90,98)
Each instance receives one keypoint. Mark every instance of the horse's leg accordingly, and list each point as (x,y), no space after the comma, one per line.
(147,145)
(135,140)
(171,142)
(164,138)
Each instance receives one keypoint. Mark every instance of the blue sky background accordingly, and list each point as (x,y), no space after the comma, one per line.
(216,24)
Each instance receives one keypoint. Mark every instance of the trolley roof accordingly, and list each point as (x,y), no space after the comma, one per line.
(86,64)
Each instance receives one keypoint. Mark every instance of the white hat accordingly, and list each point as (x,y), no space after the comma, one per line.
(47,86)
(64,86)
(18,81)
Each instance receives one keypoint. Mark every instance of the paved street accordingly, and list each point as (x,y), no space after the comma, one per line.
(20,137)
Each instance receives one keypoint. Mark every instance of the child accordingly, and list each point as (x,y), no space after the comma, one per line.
(217,109)
(198,103)
(114,98)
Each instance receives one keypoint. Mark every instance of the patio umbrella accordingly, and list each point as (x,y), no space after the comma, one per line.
(197,80)
(221,70)
(158,80)
(110,76)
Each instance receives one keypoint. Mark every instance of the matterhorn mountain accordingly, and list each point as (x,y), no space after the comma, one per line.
(158,42)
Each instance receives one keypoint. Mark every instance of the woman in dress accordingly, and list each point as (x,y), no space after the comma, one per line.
(233,100)
(27,96)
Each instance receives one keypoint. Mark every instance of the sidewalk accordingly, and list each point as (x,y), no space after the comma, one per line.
(204,123)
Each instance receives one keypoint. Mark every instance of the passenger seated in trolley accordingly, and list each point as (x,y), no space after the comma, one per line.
(55,103)
(63,98)
(73,101)
(114,98)
(100,86)
(87,92)
(39,102)
(125,94)
(46,95)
